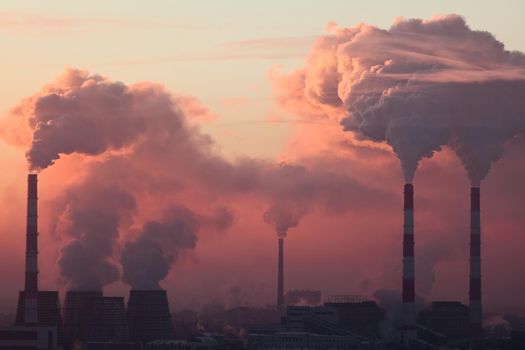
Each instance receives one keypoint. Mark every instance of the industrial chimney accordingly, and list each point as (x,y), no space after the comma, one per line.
(31,273)
(280,277)
(408,294)
(475,264)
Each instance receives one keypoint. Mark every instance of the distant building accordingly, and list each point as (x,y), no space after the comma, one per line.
(311,319)
(48,312)
(206,341)
(243,316)
(359,316)
(305,327)
(148,316)
(302,340)
(450,318)
(27,337)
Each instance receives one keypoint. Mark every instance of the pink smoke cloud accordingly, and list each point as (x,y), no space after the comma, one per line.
(420,85)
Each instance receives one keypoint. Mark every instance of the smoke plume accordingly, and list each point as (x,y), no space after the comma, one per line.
(147,260)
(92,215)
(282,218)
(138,151)
(420,85)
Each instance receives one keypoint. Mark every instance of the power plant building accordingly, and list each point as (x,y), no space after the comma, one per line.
(450,318)
(148,316)
(76,314)
(107,320)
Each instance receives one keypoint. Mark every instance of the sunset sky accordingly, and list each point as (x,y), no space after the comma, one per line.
(226,59)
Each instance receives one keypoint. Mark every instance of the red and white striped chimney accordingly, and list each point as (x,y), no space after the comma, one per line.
(408,295)
(280,277)
(31,273)
(475,263)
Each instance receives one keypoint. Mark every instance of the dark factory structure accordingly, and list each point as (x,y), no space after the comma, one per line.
(91,321)
(75,312)
(106,321)
(148,315)
(38,319)
(48,312)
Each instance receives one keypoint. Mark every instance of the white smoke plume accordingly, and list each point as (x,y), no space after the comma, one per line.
(283,217)
(147,260)
(138,140)
(420,85)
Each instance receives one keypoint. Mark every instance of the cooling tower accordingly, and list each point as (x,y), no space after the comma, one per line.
(149,316)
(106,320)
(280,277)
(475,310)
(76,308)
(408,293)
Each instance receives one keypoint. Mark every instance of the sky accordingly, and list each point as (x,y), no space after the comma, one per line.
(225,54)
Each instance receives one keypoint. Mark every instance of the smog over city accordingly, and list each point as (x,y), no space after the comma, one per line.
(272,175)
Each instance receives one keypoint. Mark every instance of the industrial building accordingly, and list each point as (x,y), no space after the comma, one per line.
(48,312)
(450,318)
(28,337)
(148,316)
(97,322)
(38,323)
(75,314)
(319,327)
(107,320)
(302,340)
(358,315)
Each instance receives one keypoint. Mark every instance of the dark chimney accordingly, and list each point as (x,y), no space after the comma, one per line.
(280,277)
(31,273)
(408,293)
(475,308)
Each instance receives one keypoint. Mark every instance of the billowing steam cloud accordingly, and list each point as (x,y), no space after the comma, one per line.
(147,260)
(282,218)
(420,85)
(94,214)
(138,140)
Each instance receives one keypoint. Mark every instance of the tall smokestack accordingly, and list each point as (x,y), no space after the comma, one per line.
(31,274)
(408,294)
(280,277)
(475,263)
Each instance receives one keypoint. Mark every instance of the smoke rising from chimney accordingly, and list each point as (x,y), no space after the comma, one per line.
(93,214)
(147,260)
(420,85)
(161,157)
(282,218)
